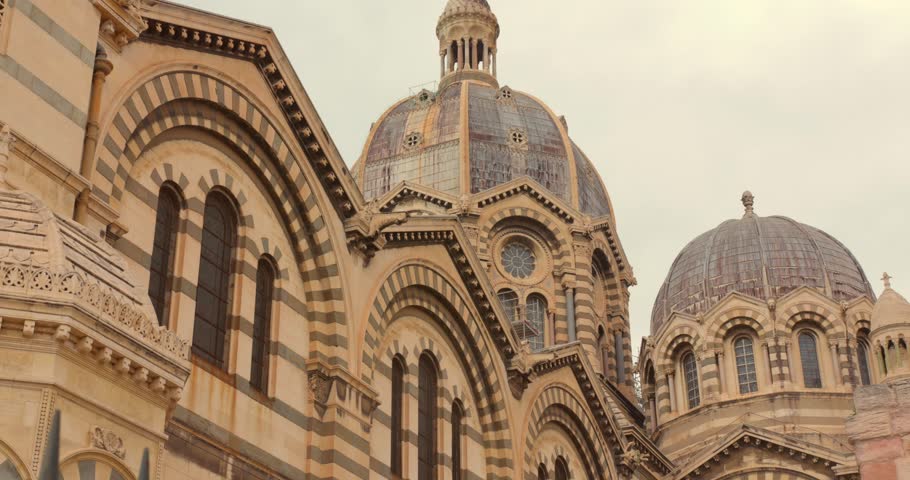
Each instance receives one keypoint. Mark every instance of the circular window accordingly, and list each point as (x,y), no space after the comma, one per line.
(518,260)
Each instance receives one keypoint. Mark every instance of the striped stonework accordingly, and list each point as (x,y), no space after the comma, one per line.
(560,407)
(562,255)
(422,287)
(176,100)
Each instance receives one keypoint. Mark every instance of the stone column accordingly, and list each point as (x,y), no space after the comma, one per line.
(620,359)
(570,311)
(495,62)
(767,352)
(451,55)
(102,68)
(442,64)
(835,362)
(461,54)
(474,63)
(787,363)
(721,381)
(671,384)
(486,58)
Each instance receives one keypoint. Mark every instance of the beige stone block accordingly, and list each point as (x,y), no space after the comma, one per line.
(869,425)
(874,397)
(879,450)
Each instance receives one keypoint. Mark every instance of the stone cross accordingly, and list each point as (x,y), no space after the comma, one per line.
(887,279)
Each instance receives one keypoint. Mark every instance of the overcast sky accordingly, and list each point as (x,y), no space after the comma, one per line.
(682,105)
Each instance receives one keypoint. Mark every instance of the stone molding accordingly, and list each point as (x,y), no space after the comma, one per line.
(20,278)
(335,387)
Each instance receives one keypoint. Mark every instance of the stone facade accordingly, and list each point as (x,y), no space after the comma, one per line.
(190,269)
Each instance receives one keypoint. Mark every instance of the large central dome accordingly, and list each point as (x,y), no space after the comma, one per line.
(764,257)
(471,135)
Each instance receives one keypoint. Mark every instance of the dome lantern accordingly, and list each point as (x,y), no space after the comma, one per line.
(467,32)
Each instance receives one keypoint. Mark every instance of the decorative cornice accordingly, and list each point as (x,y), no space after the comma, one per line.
(841,466)
(332,173)
(463,257)
(524,186)
(570,356)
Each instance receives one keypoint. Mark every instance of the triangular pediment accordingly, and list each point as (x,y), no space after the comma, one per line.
(407,196)
(706,464)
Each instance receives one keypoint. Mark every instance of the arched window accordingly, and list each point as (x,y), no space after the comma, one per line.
(161,269)
(213,291)
(509,301)
(537,316)
(690,371)
(542,472)
(262,324)
(457,419)
(903,354)
(599,291)
(562,469)
(862,354)
(745,365)
(397,427)
(808,355)
(426,422)
(884,359)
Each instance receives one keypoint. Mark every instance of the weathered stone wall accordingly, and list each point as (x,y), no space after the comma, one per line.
(880,431)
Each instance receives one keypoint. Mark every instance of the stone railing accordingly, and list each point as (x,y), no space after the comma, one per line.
(35,282)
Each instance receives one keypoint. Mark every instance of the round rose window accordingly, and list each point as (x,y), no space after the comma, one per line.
(518,260)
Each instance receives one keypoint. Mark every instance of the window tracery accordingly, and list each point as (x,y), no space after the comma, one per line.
(518,260)
(537,315)
(413,140)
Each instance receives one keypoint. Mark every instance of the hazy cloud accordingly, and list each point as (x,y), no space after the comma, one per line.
(682,105)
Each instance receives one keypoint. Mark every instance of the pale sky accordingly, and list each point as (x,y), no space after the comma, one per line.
(681,105)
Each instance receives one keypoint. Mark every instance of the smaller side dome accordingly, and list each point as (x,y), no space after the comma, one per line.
(891,309)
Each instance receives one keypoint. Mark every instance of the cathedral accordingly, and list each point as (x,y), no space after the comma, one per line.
(195,285)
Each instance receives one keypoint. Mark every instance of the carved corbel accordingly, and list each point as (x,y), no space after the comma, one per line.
(364,230)
(121,21)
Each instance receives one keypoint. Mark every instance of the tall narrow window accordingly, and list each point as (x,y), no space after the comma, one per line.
(537,316)
(542,472)
(262,324)
(862,353)
(691,376)
(426,421)
(161,269)
(397,416)
(745,365)
(457,419)
(562,469)
(808,355)
(213,291)
(509,301)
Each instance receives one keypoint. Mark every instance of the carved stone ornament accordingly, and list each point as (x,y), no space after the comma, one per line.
(633,457)
(320,385)
(364,229)
(104,439)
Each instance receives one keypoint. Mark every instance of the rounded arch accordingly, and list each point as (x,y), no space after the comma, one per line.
(93,464)
(157,104)
(777,472)
(11,465)
(815,313)
(536,221)
(669,352)
(737,324)
(558,405)
(421,286)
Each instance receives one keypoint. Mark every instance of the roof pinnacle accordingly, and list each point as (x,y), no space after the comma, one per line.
(887,280)
(748,201)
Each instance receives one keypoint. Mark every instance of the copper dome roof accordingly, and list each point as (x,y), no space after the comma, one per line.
(429,139)
(764,257)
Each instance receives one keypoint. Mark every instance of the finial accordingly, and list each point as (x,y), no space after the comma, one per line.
(887,279)
(748,201)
